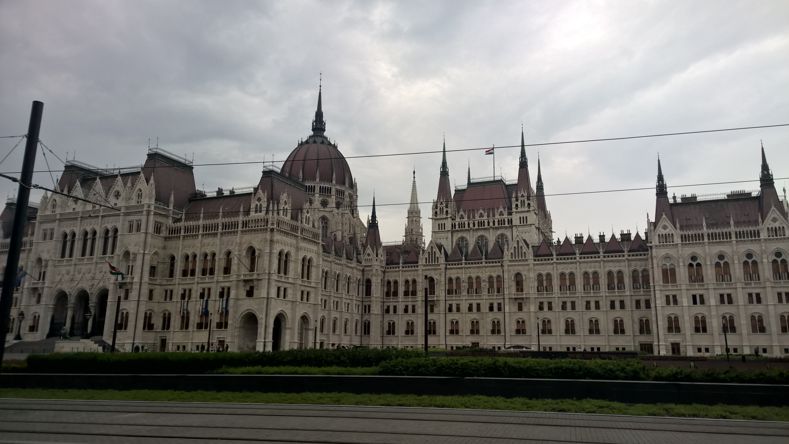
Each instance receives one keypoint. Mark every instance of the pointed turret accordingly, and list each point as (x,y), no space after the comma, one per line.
(524,181)
(541,207)
(468,175)
(373,238)
(318,124)
(444,192)
(768,198)
(413,227)
(661,192)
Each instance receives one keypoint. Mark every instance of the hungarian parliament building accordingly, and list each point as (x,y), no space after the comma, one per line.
(145,260)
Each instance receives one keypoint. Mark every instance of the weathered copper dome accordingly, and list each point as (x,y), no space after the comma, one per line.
(317,159)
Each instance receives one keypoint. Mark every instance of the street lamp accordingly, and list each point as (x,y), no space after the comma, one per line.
(726,338)
(538,335)
(20,317)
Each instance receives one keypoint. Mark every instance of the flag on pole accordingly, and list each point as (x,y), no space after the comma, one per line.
(114,270)
(490,150)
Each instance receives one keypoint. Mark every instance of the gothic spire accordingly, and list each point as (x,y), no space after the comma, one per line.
(468,179)
(373,217)
(766,176)
(524,162)
(660,188)
(444,191)
(539,176)
(414,205)
(413,226)
(444,167)
(524,180)
(318,124)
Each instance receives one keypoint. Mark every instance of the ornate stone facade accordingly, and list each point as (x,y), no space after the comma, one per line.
(289,264)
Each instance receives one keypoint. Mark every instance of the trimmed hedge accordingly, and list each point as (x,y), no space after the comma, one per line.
(152,363)
(629,370)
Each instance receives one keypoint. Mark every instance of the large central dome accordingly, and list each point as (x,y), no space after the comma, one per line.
(317,159)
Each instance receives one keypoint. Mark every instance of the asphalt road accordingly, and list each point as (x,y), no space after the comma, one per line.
(39,421)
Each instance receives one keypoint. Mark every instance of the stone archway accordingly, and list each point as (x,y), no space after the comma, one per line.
(59,314)
(278,333)
(100,315)
(80,315)
(247,332)
(304,332)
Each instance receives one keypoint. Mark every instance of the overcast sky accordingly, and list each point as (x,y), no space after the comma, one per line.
(237,81)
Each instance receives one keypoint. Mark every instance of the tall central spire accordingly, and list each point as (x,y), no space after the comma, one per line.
(524,181)
(524,162)
(319,125)
(766,176)
(413,226)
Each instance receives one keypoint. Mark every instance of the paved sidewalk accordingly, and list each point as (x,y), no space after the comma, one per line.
(119,422)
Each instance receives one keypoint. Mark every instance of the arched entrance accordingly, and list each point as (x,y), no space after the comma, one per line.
(304,332)
(59,314)
(278,333)
(247,332)
(101,313)
(80,315)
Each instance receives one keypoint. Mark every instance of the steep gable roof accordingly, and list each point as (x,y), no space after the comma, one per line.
(566,249)
(543,250)
(589,246)
(638,244)
(613,246)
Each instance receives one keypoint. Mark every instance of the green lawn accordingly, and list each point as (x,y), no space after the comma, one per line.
(475,402)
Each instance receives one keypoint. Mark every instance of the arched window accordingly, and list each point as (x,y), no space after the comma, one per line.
(388,289)
(750,268)
(643,326)
(545,327)
(477,285)
(334,326)
(595,281)
(431,286)
(610,281)
(645,281)
(495,327)
(391,328)
(499,284)
(114,240)
(518,283)
(784,319)
(413,287)
(406,288)
(548,283)
(395,289)
(571,282)
(520,326)
(409,328)
(309,268)
(669,274)
(672,324)
(695,272)
(620,280)
(490,285)
(105,245)
(594,326)
(431,327)
(562,282)
(171,267)
(193,265)
(204,267)
(780,267)
(569,326)
(454,327)
(345,325)
(366,328)
(324,223)
(72,239)
(619,326)
(337,283)
(322,324)
(727,324)
(166,319)
(722,269)
(368,287)
(63,244)
(286,264)
(92,249)
(450,286)
(185,269)
(635,280)
(699,324)
(227,267)
(84,241)
(540,283)
(587,279)
(474,327)
(251,257)
(757,324)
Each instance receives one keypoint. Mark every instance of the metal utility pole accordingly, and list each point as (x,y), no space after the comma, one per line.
(20,218)
(426,316)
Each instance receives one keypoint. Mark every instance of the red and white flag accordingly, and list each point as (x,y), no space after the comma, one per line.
(490,150)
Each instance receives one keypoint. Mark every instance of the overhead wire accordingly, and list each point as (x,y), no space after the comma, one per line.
(453,150)
(21,138)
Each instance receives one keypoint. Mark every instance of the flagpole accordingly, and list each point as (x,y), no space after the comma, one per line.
(494,161)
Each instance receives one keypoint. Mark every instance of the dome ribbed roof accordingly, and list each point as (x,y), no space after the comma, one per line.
(318,160)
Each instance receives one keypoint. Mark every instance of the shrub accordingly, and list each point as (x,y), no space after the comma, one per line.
(206,362)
